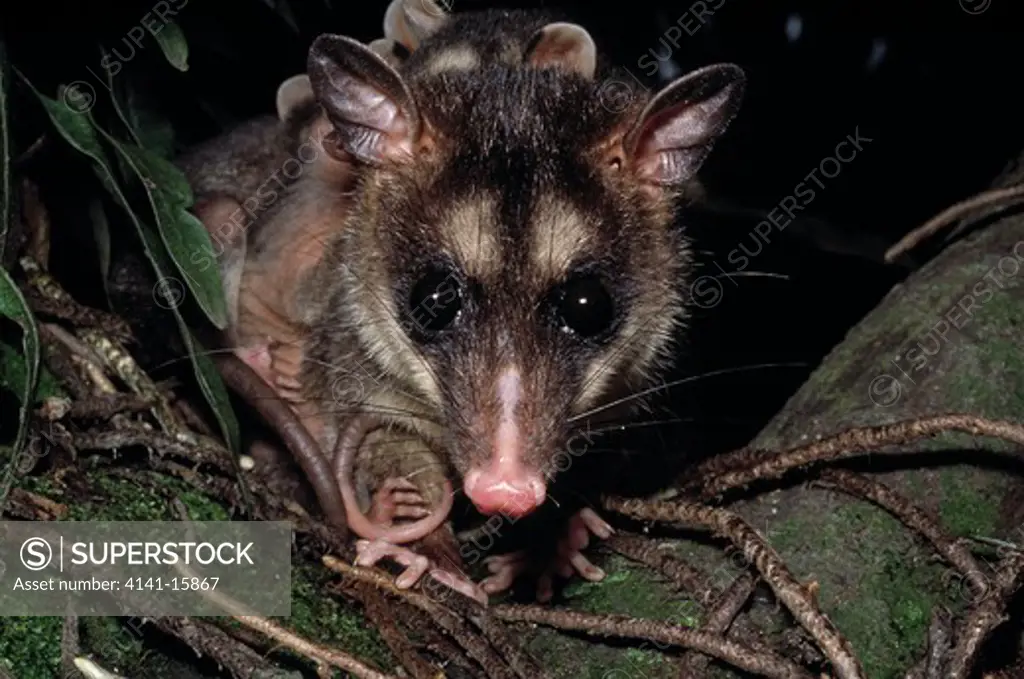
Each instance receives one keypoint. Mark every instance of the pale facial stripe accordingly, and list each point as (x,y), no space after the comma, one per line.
(457,58)
(469,230)
(560,232)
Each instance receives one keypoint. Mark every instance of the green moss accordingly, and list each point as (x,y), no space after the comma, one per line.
(887,629)
(120,500)
(30,646)
(114,641)
(876,583)
(968,507)
(627,589)
(200,507)
(327,619)
(41,485)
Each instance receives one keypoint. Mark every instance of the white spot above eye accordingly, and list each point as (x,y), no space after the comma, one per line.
(794,27)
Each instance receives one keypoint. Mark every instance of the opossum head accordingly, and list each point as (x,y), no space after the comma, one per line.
(510,258)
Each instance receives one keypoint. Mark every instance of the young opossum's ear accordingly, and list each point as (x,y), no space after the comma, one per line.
(292,95)
(563,45)
(410,22)
(386,49)
(678,128)
(371,108)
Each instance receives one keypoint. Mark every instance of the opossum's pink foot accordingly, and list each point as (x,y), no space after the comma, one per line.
(568,559)
(416,566)
(397,498)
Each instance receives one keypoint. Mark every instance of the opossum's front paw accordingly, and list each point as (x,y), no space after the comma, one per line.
(397,498)
(369,552)
(568,559)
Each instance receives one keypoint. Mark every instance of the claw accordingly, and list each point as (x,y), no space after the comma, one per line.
(569,558)
(416,565)
(505,568)
(397,498)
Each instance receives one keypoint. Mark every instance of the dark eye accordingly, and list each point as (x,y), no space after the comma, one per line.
(435,302)
(584,307)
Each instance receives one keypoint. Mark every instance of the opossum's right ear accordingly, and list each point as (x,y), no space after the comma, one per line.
(374,115)
(410,22)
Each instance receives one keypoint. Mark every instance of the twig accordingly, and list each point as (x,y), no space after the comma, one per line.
(765,664)
(77,315)
(747,465)
(57,358)
(47,296)
(29,153)
(322,655)
(476,647)
(90,670)
(209,640)
(75,346)
(199,452)
(69,644)
(940,634)
(986,616)
(914,518)
(999,197)
(798,599)
(34,507)
(684,576)
(105,406)
(118,359)
(383,619)
(718,620)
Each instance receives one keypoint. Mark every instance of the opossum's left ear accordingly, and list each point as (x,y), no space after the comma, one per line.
(676,131)
(410,22)
(563,45)
(374,115)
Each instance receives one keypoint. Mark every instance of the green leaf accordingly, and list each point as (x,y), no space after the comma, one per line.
(166,176)
(144,126)
(184,236)
(79,131)
(114,86)
(153,131)
(13,306)
(5,153)
(172,42)
(13,372)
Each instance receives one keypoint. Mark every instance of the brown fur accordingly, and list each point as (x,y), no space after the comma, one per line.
(519,148)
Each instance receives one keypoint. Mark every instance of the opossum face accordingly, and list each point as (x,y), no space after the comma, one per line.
(511,257)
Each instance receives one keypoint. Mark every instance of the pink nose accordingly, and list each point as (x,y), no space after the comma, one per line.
(512,492)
